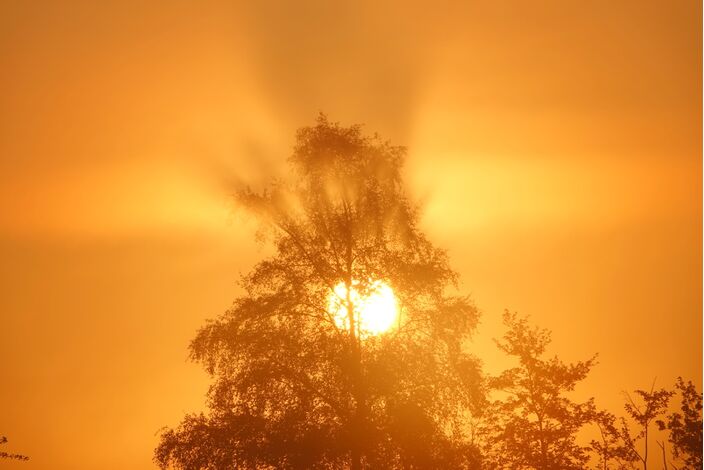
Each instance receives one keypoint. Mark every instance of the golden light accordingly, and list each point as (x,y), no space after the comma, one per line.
(375,312)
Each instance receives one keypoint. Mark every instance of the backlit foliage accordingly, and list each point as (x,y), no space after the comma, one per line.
(292,387)
(302,380)
(685,426)
(533,423)
(10,455)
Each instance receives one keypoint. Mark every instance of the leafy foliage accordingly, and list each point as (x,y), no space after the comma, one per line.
(613,449)
(534,424)
(8,455)
(686,427)
(293,389)
(652,404)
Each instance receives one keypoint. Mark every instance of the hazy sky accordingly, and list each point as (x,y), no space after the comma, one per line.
(556,146)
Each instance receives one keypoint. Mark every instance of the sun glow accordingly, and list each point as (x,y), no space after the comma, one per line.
(375,312)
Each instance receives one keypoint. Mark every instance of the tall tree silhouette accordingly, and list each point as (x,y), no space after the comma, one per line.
(533,424)
(293,386)
(685,428)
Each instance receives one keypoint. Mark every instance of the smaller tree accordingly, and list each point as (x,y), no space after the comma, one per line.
(611,448)
(535,425)
(686,427)
(652,404)
(8,455)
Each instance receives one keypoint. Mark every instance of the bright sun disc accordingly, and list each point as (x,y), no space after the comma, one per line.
(375,312)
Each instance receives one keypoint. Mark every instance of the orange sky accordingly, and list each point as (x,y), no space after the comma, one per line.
(556,145)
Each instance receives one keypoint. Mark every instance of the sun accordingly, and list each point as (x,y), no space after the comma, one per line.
(376,312)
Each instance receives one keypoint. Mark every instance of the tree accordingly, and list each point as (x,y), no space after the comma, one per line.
(652,404)
(612,448)
(8,455)
(686,428)
(619,445)
(534,425)
(297,384)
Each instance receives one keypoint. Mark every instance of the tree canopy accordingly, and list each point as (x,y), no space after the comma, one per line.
(293,387)
(534,424)
(685,426)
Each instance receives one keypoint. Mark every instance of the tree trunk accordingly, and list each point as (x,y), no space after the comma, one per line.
(356,463)
(645,459)
(357,381)
(664,456)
